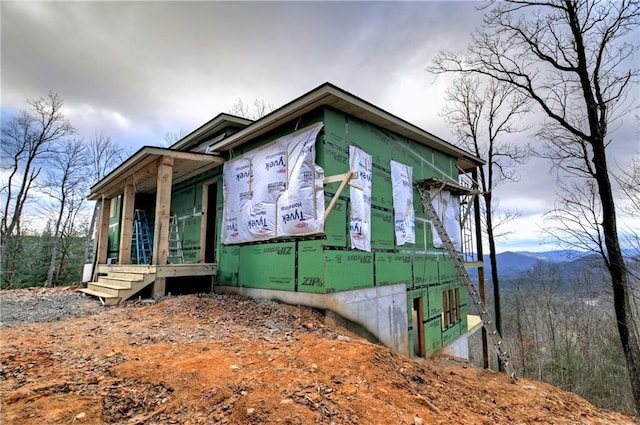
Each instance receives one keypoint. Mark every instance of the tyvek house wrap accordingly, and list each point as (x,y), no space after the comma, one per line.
(403,211)
(448,208)
(360,196)
(275,190)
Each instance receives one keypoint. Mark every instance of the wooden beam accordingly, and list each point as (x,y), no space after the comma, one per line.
(138,176)
(339,177)
(163,209)
(128,202)
(161,228)
(195,156)
(103,230)
(332,179)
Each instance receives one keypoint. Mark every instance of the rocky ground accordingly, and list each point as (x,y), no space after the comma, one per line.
(219,359)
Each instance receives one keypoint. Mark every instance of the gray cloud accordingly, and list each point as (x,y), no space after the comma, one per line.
(135,70)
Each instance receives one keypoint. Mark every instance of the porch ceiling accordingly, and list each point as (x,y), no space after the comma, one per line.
(141,170)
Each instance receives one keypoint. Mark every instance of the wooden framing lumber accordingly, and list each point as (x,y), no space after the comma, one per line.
(343,179)
(103,230)
(128,202)
(161,228)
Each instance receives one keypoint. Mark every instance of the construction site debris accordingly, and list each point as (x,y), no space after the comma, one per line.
(202,359)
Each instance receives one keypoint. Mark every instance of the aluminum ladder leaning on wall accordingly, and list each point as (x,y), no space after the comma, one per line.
(487,321)
(175,243)
(141,237)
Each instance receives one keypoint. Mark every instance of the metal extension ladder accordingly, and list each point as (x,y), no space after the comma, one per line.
(175,243)
(141,237)
(487,320)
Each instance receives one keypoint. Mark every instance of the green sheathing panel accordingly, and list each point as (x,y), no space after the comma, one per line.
(268,266)
(435,300)
(446,269)
(228,265)
(346,270)
(334,128)
(190,235)
(445,164)
(183,200)
(334,159)
(311,266)
(382,231)
(425,270)
(381,190)
(464,324)
(335,226)
(450,334)
(433,329)
(392,268)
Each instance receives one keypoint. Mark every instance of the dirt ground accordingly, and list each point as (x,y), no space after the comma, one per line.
(215,359)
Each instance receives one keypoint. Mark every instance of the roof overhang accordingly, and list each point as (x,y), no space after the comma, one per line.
(141,170)
(209,129)
(329,95)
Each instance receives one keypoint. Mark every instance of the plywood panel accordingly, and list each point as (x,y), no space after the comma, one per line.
(268,266)
(347,270)
(382,229)
(311,275)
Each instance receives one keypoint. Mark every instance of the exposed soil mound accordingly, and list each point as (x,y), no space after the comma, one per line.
(229,360)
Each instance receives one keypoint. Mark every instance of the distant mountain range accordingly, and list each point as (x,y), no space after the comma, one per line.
(513,264)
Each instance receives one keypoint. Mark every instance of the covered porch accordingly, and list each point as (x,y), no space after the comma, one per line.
(153,172)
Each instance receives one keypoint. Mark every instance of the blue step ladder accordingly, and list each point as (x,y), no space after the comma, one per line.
(141,238)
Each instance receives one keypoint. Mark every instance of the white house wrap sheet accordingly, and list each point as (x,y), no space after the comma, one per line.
(360,196)
(448,208)
(275,190)
(404,215)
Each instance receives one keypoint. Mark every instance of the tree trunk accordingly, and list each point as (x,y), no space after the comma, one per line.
(494,267)
(54,248)
(618,271)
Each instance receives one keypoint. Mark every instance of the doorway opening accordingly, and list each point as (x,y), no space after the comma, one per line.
(210,193)
(417,316)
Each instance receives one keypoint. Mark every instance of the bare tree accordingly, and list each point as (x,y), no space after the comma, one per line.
(259,110)
(103,155)
(66,184)
(170,137)
(26,140)
(574,60)
(482,117)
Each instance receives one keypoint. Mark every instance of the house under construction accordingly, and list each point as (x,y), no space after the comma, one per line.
(319,203)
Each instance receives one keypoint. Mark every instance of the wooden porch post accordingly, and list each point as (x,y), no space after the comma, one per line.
(103,231)
(161,229)
(124,256)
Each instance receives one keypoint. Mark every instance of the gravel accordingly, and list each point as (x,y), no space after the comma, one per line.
(44,305)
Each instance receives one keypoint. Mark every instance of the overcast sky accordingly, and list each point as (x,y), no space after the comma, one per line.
(137,70)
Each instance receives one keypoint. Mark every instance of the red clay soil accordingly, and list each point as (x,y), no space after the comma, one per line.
(215,359)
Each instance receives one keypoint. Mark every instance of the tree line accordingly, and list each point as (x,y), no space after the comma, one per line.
(47,172)
(571,62)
